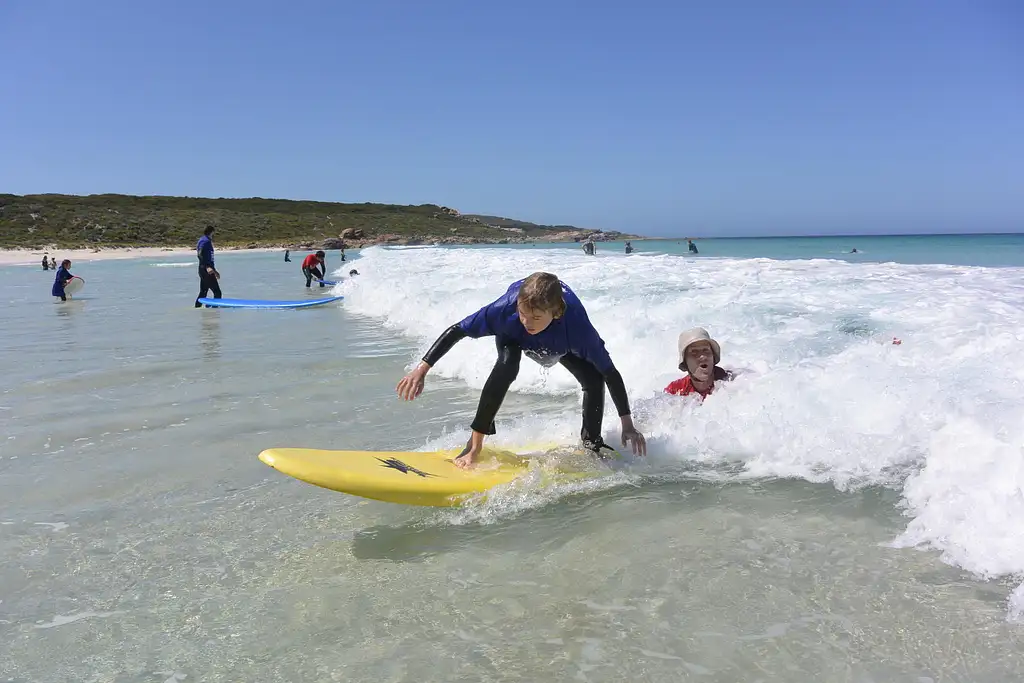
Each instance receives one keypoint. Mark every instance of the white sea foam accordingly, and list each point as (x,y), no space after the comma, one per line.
(823,394)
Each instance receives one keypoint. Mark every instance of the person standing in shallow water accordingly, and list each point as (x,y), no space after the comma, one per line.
(311,267)
(208,275)
(63,276)
(46,263)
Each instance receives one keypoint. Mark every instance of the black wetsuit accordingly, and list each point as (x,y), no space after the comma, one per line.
(207,281)
(310,273)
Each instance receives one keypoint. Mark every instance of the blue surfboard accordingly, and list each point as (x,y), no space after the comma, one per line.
(329,283)
(259,303)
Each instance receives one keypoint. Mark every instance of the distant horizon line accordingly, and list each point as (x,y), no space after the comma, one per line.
(788,236)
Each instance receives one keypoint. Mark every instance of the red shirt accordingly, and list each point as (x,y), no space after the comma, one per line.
(310,261)
(684,386)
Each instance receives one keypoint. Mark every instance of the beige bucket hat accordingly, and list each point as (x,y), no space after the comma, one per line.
(693,336)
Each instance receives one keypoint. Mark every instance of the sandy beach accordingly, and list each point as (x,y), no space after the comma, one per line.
(33,257)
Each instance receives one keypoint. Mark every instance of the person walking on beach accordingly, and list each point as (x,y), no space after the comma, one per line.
(208,275)
(542,317)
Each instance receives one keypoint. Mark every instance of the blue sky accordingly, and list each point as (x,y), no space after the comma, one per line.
(664,118)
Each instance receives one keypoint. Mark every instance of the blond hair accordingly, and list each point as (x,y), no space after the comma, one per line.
(542,292)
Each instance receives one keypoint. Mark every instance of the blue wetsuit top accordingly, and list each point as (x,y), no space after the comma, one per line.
(204,250)
(60,281)
(573,334)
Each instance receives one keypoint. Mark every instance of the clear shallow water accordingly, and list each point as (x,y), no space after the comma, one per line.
(760,540)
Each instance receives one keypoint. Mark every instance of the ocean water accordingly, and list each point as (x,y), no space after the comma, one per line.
(846,510)
(994,250)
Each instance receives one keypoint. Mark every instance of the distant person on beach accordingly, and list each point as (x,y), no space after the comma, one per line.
(693,247)
(287,256)
(208,275)
(61,281)
(53,262)
(342,250)
(589,248)
(629,248)
(543,317)
(311,267)
(699,356)
(46,263)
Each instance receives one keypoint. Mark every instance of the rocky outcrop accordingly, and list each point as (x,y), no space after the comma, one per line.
(352,234)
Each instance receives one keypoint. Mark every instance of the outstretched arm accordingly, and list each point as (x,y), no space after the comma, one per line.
(444,344)
(617,388)
(411,385)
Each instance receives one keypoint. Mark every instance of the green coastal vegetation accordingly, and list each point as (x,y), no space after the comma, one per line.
(113,220)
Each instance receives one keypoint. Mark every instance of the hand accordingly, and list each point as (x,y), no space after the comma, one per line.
(467,458)
(632,437)
(411,386)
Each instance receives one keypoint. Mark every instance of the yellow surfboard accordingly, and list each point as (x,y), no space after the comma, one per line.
(408,477)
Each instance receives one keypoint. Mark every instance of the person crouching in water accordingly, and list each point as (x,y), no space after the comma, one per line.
(699,356)
(541,316)
(63,277)
(311,265)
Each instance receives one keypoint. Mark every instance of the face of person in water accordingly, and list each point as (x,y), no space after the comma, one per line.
(700,360)
(533,320)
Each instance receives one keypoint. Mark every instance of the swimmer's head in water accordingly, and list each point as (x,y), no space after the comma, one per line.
(698,353)
(540,302)
(353,272)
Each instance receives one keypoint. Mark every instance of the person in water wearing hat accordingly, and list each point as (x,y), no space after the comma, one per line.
(542,317)
(699,356)
(311,266)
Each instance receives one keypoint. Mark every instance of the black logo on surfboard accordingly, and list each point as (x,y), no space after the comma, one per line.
(396,464)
